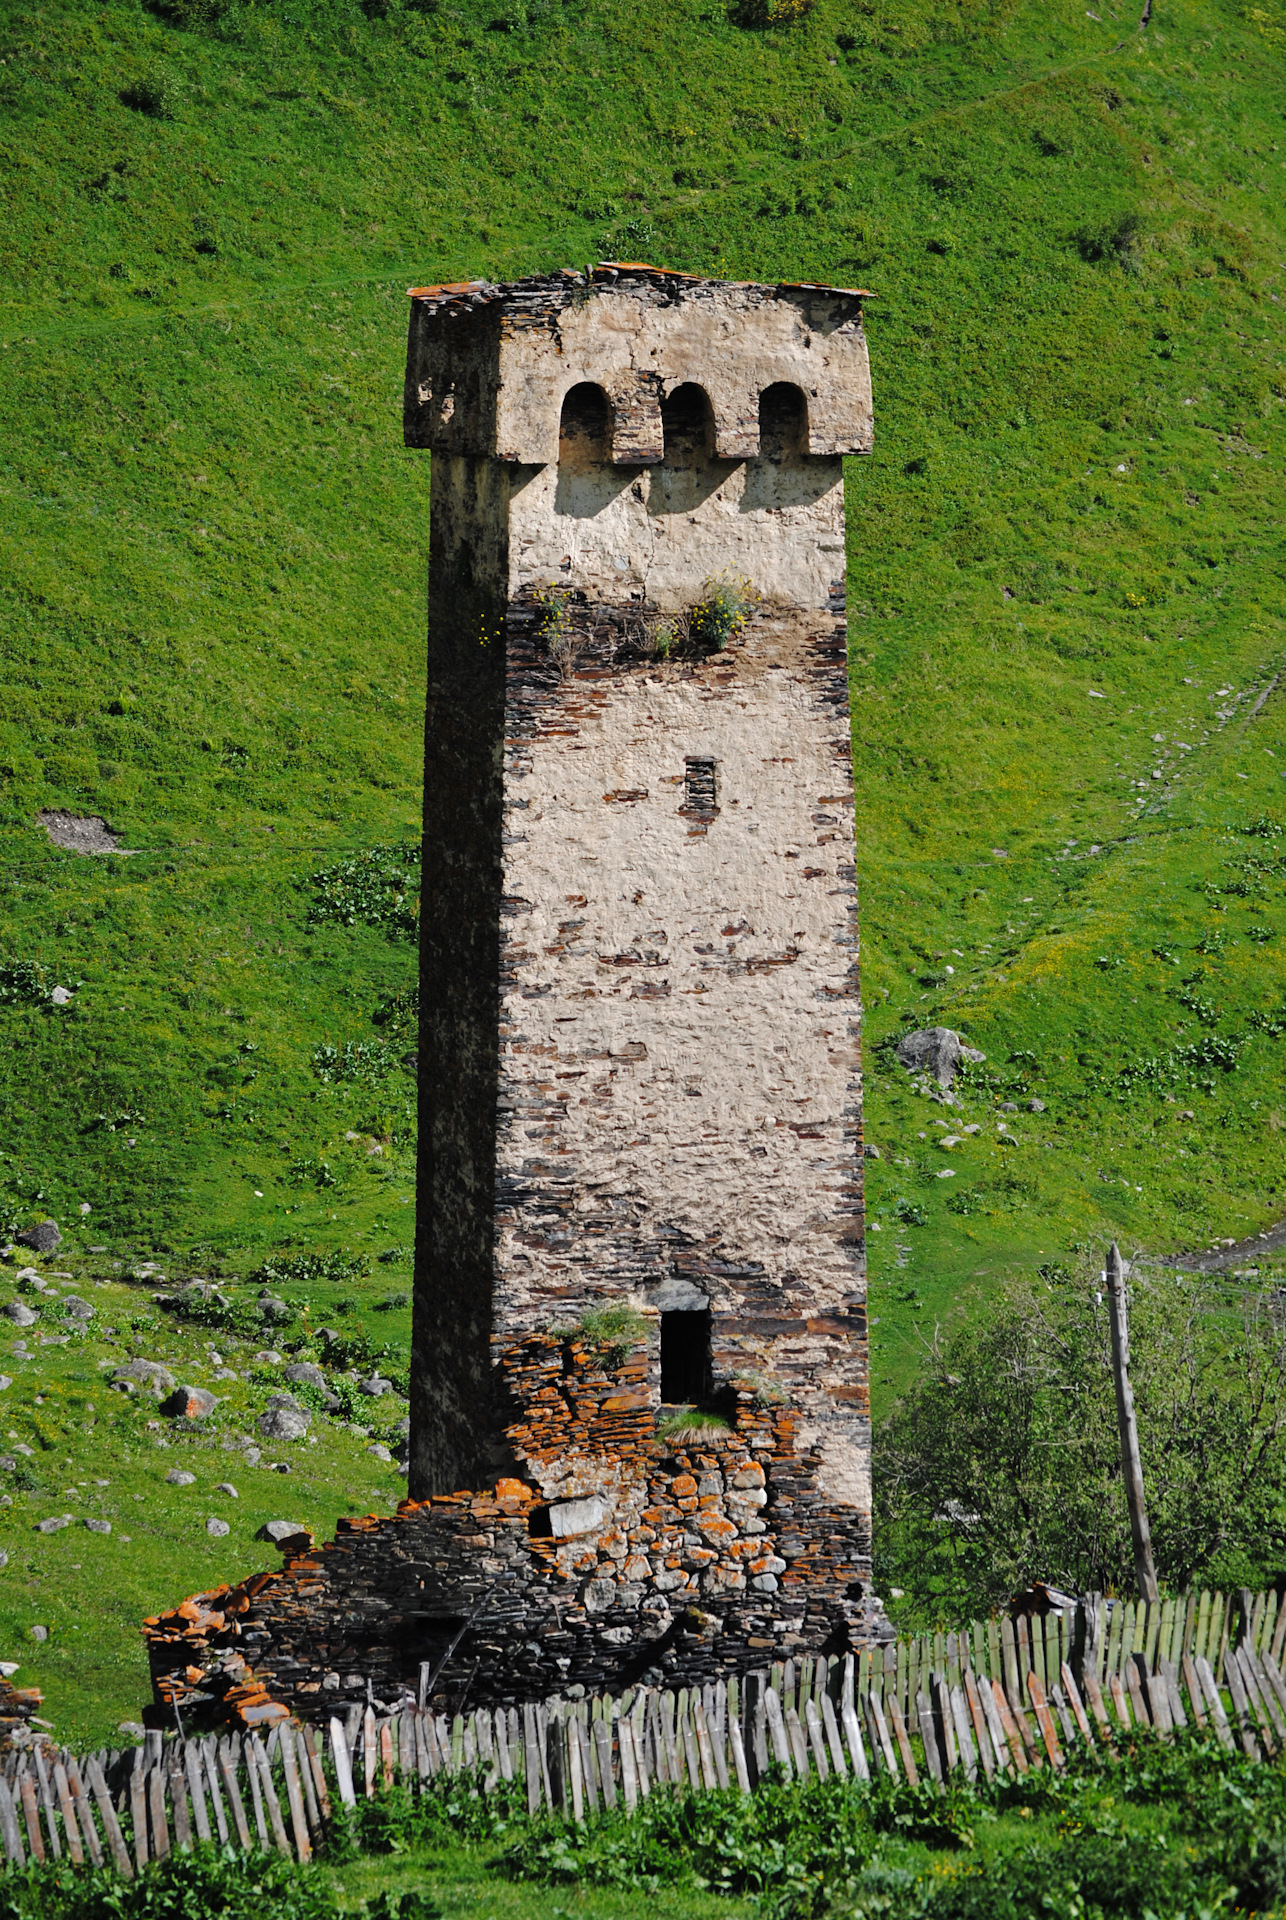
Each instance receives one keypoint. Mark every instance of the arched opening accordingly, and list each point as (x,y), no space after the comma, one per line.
(783,422)
(688,421)
(585,428)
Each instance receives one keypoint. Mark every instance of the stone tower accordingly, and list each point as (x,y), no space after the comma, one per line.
(639,1065)
(640,1440)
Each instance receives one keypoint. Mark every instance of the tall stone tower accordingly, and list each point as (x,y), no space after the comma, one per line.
(639,1064)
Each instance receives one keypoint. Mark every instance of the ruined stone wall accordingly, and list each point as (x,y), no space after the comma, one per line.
(623,1557)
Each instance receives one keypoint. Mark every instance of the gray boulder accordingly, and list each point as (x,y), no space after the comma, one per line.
(936,1050)
(305,1374)
(278,1530)
(146,1373)
(190,1403)
(284,1423)
(20,1313)
(54,1524)
(217,1528)
(375,1386)
(76,1308)
(99,1526)
(41,1239)
(272,1309)
(179,1477)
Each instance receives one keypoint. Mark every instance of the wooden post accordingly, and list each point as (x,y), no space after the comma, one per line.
(1145,1575)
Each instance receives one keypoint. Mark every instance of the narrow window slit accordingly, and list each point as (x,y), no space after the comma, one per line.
(685,1358)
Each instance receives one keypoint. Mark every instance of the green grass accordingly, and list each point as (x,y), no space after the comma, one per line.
(212,559)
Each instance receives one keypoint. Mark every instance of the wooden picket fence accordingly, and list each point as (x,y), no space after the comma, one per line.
(1002,1695)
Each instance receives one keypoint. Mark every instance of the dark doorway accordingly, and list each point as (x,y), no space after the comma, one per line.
(685,1358)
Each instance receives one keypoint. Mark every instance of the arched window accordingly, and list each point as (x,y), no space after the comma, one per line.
(585,429)
(688,420)
(783,422)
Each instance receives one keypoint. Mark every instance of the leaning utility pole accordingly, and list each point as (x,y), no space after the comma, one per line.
(1145,1573)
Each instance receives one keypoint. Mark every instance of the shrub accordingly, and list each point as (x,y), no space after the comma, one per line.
(726,603)
(367,1062)
(1002,1462)
(376,888)
(298,1269)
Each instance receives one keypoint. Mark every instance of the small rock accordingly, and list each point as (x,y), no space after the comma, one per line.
(31,1273)
(99,1526)
(41,1239)
(226,1486)
(77,1308)
(190,1403)
(279,1530)
(226,1373)
(20,1313)
(284,1423)
(217,1528)
(280,1466)
(4,1559)
(267,1358)
(5,1381)
(1009,1106)
(178,1477)
(54,1524)
(331,1403)
(375,1386)
(38,1633)
(134,1728)
(273,1309)
(1035,1106)
(305,1374)
(936,1050)
(380,1451)
(870,1151)
(146,1373)
(22,1447)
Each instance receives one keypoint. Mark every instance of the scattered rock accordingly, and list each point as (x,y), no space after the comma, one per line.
(33,1274)
(4,1559)
(77,1308)
(375,1386)
(60,996)
(226,1486)
(284,1423)
(79,832)
(146,1373)
(179,1477)
(870,1151)
(54,1524)
(5,1381)
(41,1239)
(225,1373)
(267,1358)
(38,1633)
(20,1313)
(190,1403)
(305,1374)
(280,1531)
(1009,1106)
(936,1050)
(99,1526)
(280,1466)
(273,1309)
(1035,1106)
(331,1403)
(380,1451)
(217,1528)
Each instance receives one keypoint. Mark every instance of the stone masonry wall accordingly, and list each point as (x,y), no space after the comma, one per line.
(677,1562)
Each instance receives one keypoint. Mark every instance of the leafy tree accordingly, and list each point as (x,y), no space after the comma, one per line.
(1002,1464)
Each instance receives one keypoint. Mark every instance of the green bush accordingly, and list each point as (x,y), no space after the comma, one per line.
(1002,1462)
(376,888)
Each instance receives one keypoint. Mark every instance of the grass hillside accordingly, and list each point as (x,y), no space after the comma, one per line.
(1066,616)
